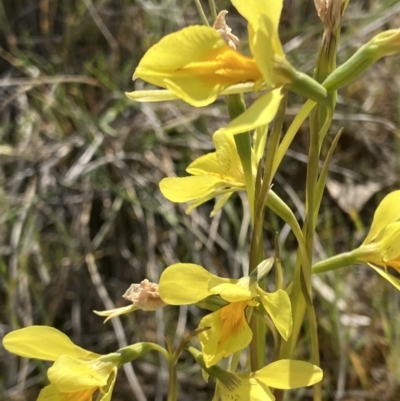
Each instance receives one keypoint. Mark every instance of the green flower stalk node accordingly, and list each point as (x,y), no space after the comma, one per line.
(384,44)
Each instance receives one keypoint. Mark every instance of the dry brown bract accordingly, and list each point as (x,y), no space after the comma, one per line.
(223,29)
(144,295)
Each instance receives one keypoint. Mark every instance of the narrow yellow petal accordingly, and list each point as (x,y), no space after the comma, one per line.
(279,308)
(220,203)
(111,313)
(252,9)
(185,189)
(184,283)
(286,374)
(229,332)
(265,46)
(260,138)
(162,95)
(392,280)
(387,212)
(110,387)
(157,95)
(71,374)
(261,112)
(228,156)
(43,342)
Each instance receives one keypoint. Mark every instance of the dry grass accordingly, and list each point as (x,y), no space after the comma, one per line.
(82,217)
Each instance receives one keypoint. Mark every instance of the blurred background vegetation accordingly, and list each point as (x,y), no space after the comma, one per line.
(82,217)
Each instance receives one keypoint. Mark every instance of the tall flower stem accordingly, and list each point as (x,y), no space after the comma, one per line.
(236,107)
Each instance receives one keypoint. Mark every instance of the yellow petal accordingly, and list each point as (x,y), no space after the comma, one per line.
(252,9)
(205,165)
(195,64)
(110,313)
(244,388)
(265,46)
(156,95)
(43,342)
(261,112)
(230,292)
(228,156)
(162,95)
(392,280)
(185,189)
(387,212)
(279,308)
(286,374)
(71,374)
(220,203)
(184,283)
(260,139)
(229,332)
(390,243)
(51,393)
(110,387)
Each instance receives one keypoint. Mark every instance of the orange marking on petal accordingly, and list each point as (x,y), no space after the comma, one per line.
(224,67)
(233,319)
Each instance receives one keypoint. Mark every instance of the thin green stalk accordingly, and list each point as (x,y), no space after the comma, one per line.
(256,251)
(324,172)
(291,133)
(201,13)
(272,148)
(236,107)
(173,382)
(336,262)
(213,9)
(279,207)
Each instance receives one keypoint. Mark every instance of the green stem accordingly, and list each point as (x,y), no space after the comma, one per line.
(291,133)
(336,262)
(201,12)
(134,351)
(213,9)
(256,251)
(236,107)
(173,382)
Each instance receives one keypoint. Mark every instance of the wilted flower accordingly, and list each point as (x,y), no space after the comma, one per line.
(143,296)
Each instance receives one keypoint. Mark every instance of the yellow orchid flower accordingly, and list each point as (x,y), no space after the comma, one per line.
(77,374)
(284,374)
(219,173)
(229,332)
(197,64)
(381,247)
